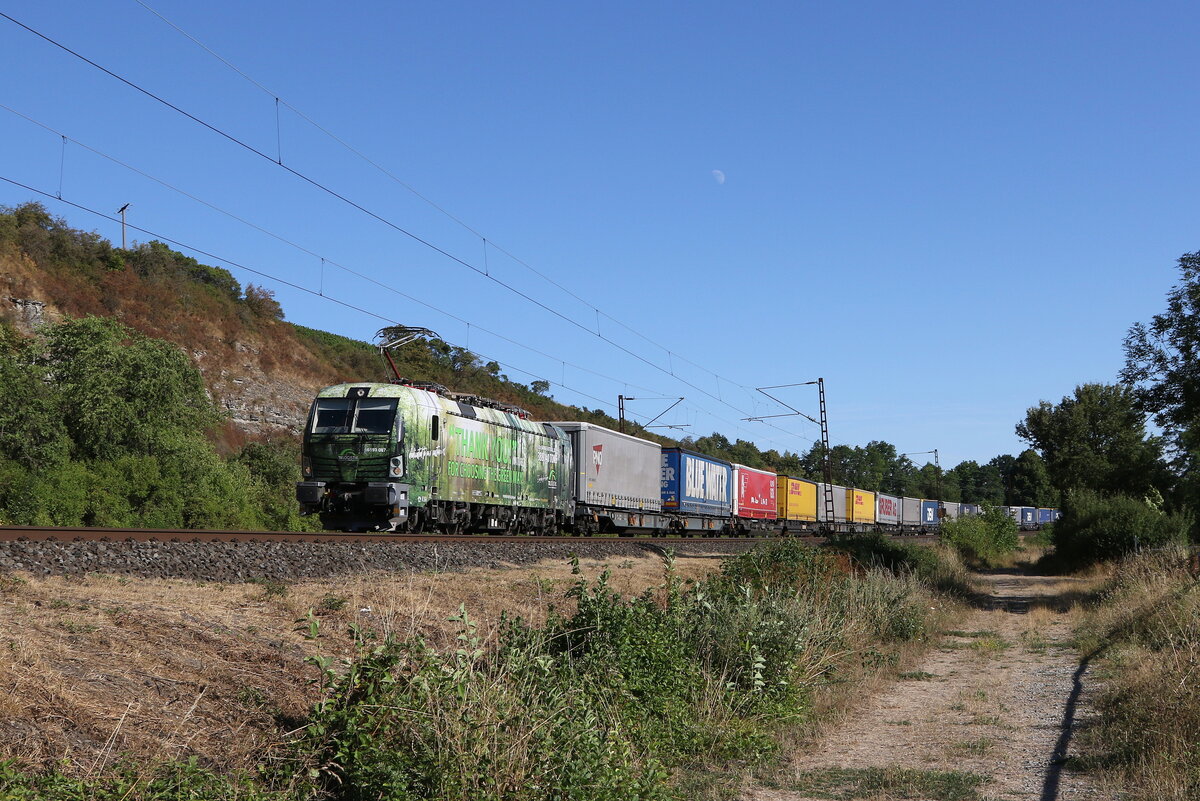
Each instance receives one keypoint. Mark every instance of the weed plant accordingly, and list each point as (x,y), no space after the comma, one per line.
(130,782)
(937,567)
(1095,528)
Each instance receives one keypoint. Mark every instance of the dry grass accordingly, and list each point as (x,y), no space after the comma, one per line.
(1148,638)
(99,666)
(834,702)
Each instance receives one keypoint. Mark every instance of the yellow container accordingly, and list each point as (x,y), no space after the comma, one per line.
(796,498)
(860,506)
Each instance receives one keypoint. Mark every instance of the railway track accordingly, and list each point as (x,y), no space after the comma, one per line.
(83,534)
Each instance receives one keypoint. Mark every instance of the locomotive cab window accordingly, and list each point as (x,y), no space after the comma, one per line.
(374,416)
(433,428)
(346,416)
(331,415)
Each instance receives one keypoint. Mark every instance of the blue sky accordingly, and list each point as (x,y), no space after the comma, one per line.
(950,211)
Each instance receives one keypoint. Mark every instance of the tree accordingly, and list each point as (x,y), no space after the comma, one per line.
(1029,482)
(121,391)
(1161,362)
(1096,440)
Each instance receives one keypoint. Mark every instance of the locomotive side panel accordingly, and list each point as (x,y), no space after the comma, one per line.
(493,457)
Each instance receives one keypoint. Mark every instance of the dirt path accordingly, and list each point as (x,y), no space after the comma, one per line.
(1001,698)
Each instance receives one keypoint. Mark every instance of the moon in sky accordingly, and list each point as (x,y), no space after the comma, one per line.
(718,176)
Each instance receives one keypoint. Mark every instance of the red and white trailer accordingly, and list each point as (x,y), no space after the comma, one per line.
(755,495)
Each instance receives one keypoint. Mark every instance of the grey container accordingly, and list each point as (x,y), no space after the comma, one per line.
(911,511)
(839,504)
(953,510)
(613,469)
(887,509)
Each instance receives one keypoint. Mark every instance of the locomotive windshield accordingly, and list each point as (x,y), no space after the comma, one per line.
(349,416)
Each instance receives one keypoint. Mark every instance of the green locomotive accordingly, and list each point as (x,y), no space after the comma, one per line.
(405,457)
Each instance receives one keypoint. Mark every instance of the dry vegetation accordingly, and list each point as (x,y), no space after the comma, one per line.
(1146,637)
(976,717)
(158,669)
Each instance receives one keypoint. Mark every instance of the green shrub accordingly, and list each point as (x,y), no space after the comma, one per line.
(983,538)
(599,703)
(1095,528)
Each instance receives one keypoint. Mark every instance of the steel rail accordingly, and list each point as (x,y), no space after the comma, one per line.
(85,534)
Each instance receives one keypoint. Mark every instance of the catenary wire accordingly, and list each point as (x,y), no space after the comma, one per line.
(333,193)
(65,138)
(413,190)
(306,290)
(291,284)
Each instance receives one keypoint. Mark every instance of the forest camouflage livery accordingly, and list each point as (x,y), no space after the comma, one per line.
(396,457)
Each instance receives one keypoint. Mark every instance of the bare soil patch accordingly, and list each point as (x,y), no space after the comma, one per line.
(995,705)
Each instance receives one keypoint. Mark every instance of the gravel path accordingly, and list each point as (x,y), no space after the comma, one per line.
(1002,698)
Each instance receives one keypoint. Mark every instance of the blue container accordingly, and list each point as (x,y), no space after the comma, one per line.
(1045,516)
(696,484)
(929,513)
(1028,516)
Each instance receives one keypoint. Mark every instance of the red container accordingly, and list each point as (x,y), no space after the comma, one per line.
(755,495)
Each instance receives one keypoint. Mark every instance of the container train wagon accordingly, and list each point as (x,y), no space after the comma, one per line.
(400,457)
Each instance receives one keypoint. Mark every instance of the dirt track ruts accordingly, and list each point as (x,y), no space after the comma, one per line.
(1004,697)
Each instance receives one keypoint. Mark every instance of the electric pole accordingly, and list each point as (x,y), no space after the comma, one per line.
(121,211)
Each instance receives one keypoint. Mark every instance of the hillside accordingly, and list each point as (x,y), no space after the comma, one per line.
(261,370)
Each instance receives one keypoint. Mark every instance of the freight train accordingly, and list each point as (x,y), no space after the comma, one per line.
(416,457)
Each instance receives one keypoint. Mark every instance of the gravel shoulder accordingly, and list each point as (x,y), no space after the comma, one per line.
(1001,697)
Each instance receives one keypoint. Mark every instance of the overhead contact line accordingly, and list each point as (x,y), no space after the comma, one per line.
(293,285)
(415,237)
(321,293)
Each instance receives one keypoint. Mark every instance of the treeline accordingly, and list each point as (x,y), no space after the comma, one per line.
(1004,480)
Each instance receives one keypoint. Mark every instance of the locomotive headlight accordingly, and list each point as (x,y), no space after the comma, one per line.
(306,466)
(397,466)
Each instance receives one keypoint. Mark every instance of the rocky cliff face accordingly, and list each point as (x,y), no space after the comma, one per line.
(258,402)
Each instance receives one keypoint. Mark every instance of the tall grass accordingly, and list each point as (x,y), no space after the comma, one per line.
(1147,632)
